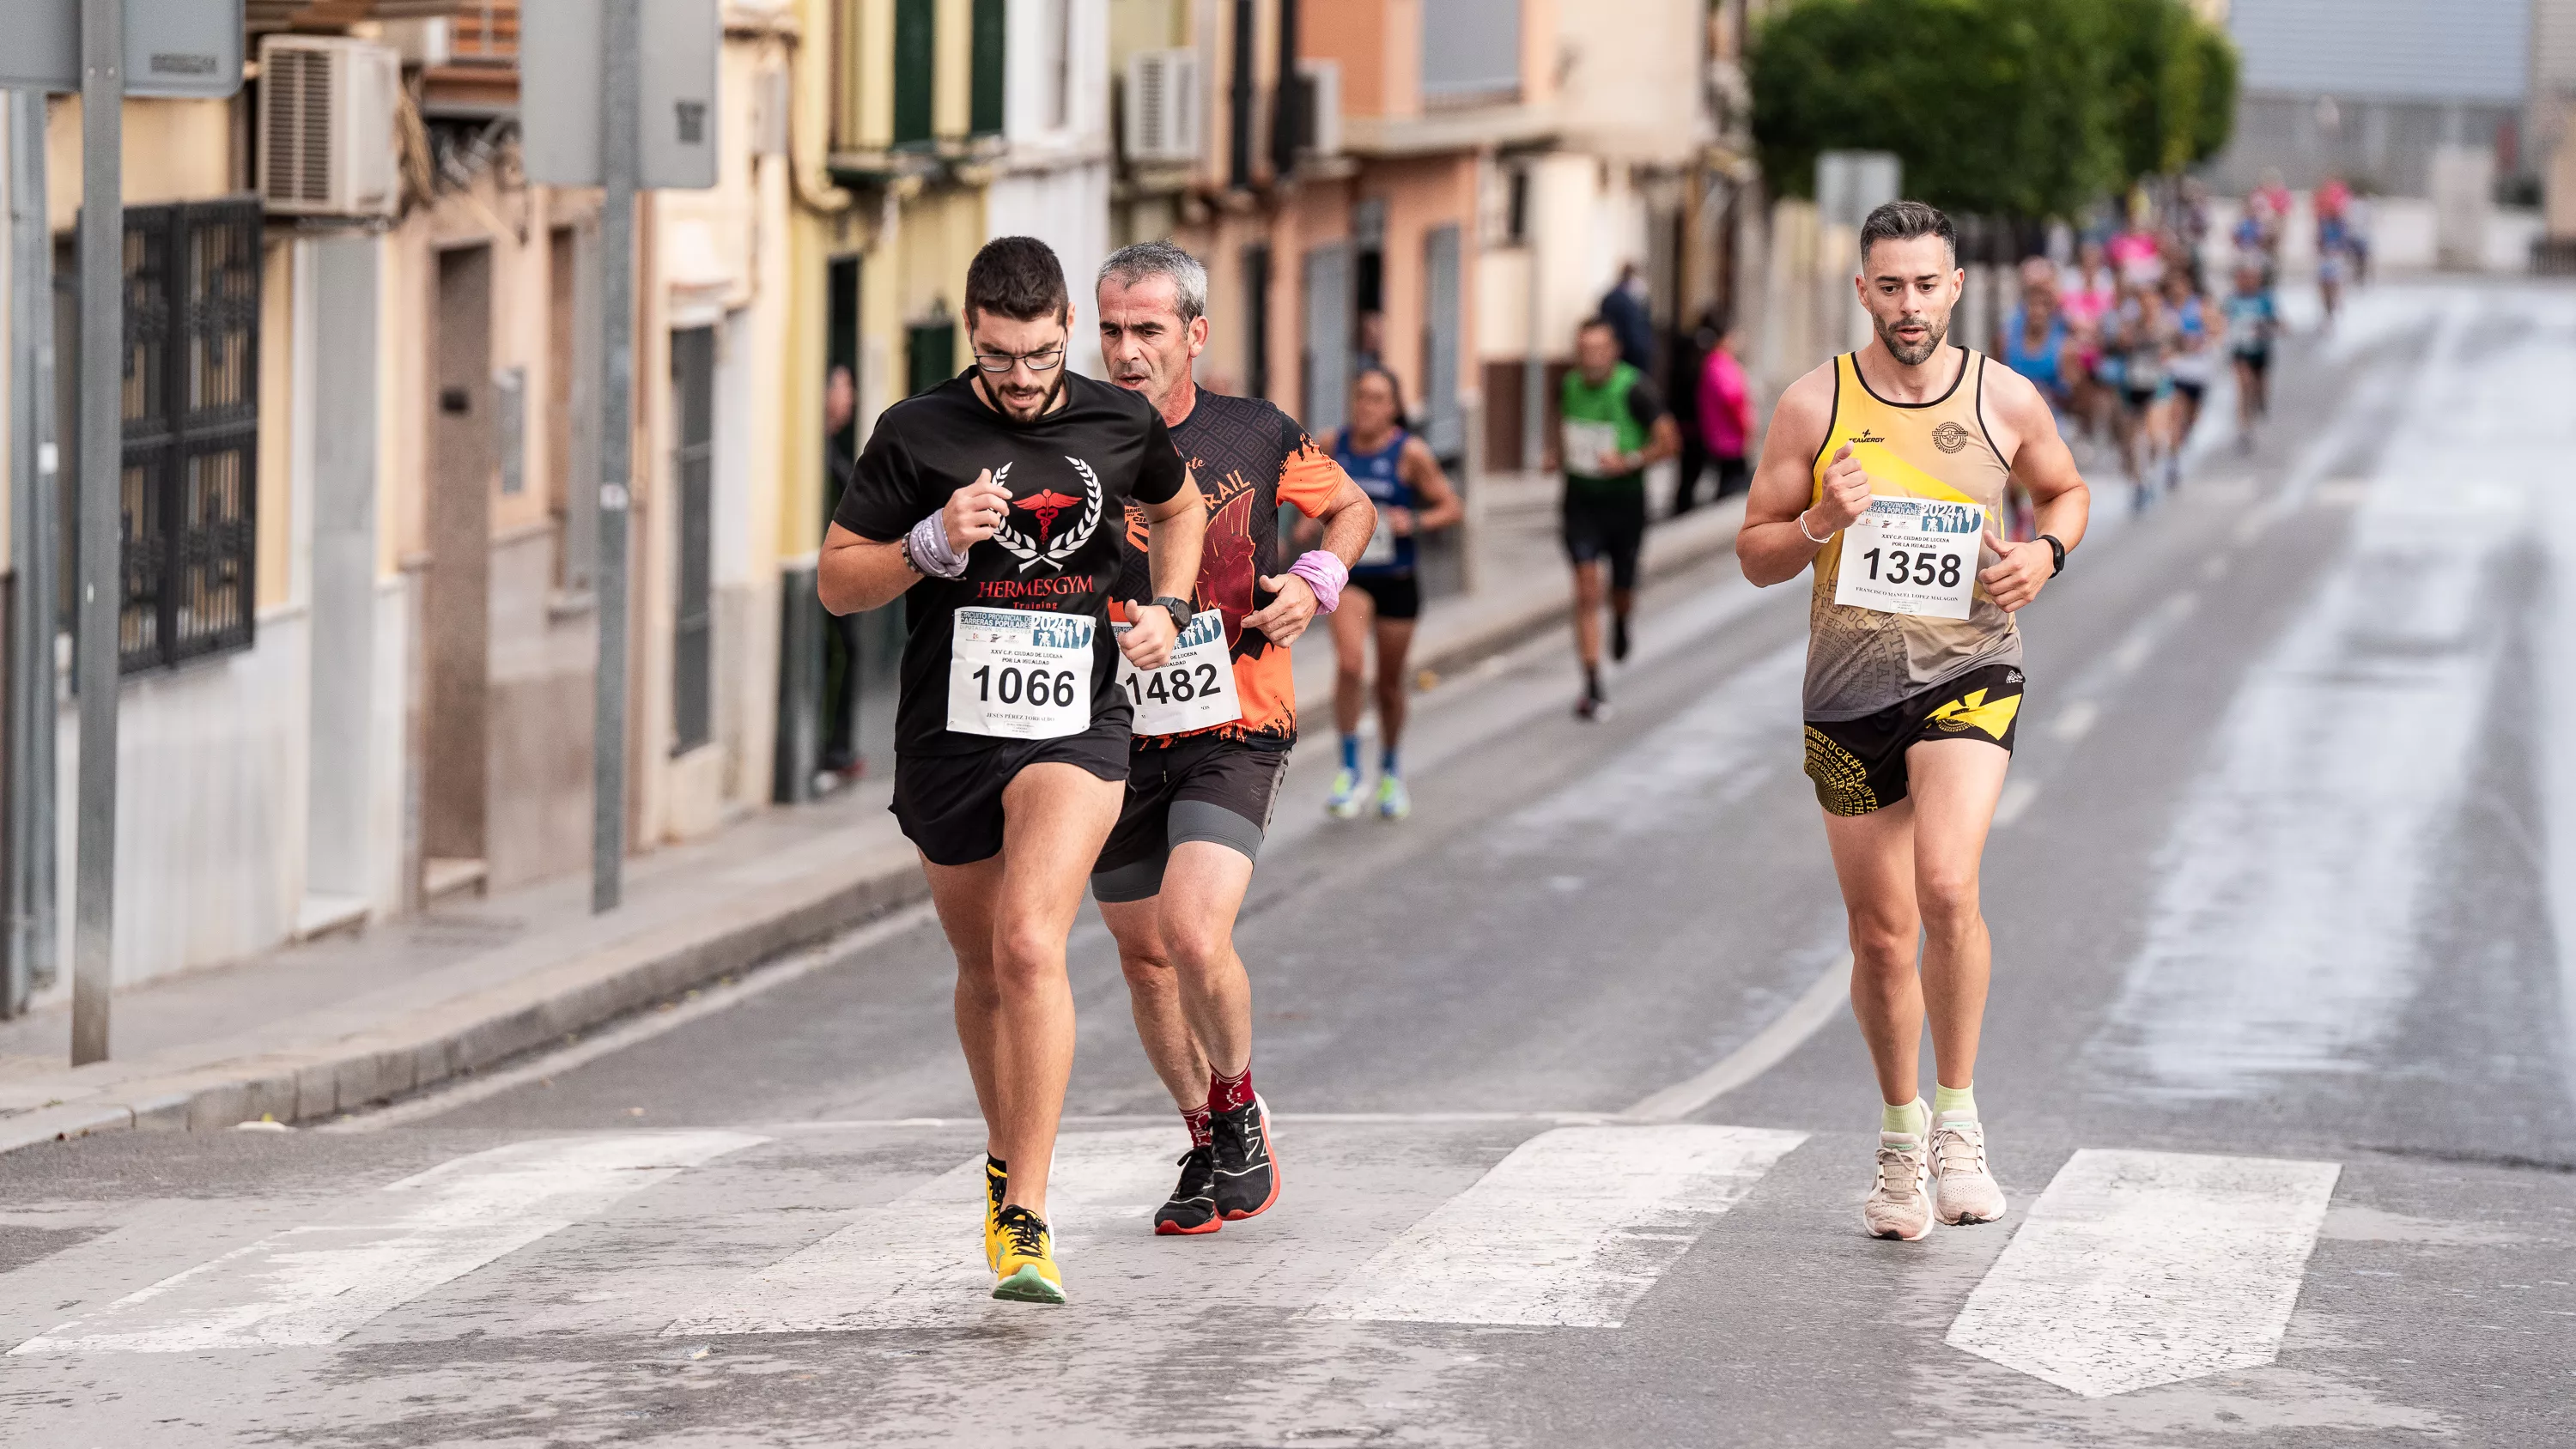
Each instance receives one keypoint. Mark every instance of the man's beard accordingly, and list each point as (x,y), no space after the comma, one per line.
(1936,330)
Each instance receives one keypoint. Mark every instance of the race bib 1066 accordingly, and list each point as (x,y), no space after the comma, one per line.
(1193,690)
(1018,674)
(1912,556)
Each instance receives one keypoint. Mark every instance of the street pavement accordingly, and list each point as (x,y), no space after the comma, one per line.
(1573,1125)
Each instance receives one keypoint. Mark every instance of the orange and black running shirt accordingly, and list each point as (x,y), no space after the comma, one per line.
(1248,458)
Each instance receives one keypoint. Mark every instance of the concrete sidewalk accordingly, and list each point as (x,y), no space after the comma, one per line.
(330,1026)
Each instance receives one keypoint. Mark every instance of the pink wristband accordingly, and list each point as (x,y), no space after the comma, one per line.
(1325,573)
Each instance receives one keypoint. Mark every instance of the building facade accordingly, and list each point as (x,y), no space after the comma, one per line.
(360,653)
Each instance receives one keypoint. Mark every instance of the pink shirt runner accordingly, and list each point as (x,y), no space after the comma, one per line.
(1725,405)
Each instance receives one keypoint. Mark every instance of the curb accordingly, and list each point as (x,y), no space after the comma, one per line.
(481,1029)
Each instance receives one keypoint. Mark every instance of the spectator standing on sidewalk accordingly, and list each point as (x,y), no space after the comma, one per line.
(1725,410)
(1624,308)
(1615,427)
(1687,355)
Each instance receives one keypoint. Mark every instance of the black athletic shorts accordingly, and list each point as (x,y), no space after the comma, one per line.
(1397,596)
(1606,523)
(1200,787)
(2256,360)
(1859,764)
(950,806)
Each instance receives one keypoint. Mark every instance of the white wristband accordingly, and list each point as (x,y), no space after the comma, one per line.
(1809,537)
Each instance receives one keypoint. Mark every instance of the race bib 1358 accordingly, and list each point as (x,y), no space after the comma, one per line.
(1912,556)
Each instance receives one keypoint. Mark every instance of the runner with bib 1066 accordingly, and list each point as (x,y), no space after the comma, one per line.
(994,504)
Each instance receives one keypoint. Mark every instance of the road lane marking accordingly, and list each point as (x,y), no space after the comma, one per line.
(638,1029)
(2077,720)
(918,1262)
(2143,1268)
(1821,1002)
(1569,1231)
(318,1283)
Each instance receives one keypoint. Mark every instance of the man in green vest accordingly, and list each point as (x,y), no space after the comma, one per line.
(1615,427)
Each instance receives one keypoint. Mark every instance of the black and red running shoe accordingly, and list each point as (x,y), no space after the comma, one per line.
(1192,1208)
(1247,1175)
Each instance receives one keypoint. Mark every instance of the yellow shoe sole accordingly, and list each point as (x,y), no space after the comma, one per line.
(1029,1286)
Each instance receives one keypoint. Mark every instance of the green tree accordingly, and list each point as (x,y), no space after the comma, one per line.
(2026,108)
(2173,85)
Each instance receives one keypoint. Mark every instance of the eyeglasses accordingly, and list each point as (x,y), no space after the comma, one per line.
(1045,359)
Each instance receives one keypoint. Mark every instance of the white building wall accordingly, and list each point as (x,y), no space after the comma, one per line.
(1054,177)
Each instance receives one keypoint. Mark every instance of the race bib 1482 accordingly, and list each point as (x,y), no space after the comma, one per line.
(1912,556)
(1195,687)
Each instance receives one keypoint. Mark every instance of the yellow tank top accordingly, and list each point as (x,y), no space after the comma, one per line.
(1861,661)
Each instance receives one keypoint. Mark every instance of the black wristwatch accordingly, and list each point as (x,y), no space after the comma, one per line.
(1179,609)
(2057,550)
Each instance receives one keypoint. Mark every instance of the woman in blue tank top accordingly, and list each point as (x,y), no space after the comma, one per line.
(1399,474)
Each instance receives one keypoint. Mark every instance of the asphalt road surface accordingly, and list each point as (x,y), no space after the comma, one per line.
(1574,1126)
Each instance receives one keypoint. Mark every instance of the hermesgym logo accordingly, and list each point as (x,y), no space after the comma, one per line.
(1949,437)
(1044,508)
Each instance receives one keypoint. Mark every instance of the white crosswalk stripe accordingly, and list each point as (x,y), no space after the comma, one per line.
(2132,1269)
(1569,1230)
(2144,1268)
(917,1262)
(316,1284)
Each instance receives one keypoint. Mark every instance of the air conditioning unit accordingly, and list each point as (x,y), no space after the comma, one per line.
(326,126)
(1163,107)
(1319,107)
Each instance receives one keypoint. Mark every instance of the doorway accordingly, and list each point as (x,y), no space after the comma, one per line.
(456,598)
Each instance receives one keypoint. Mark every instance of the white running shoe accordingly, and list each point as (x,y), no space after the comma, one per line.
(1965,1192)
(1394,802)
(1898,1205)
(1344,802)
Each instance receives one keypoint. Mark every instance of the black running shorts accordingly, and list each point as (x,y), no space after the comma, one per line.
(1606,523)
(1397,596)
(950,806)
(1199,787)
(1859,764)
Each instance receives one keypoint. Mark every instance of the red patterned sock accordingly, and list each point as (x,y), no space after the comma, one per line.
(1201,1132)
(1227,1093)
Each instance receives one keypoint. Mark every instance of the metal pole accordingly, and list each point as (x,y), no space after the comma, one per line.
(620,85)
(102,459)
(32,542)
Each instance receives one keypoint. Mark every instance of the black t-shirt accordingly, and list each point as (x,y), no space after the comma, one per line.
(1070,475)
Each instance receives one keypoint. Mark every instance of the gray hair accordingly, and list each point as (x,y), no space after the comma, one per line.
(1132,264)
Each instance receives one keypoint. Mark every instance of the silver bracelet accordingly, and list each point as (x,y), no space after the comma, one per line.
(1809,537)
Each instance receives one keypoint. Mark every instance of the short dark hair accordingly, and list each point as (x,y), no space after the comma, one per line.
(1016,277)
(1596,320)
(1904,221)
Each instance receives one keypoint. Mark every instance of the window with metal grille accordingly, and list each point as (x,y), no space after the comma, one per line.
(693,383)
(191,407)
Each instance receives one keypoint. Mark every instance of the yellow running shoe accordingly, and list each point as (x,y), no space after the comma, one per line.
(1026,1272)
(996,1178)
